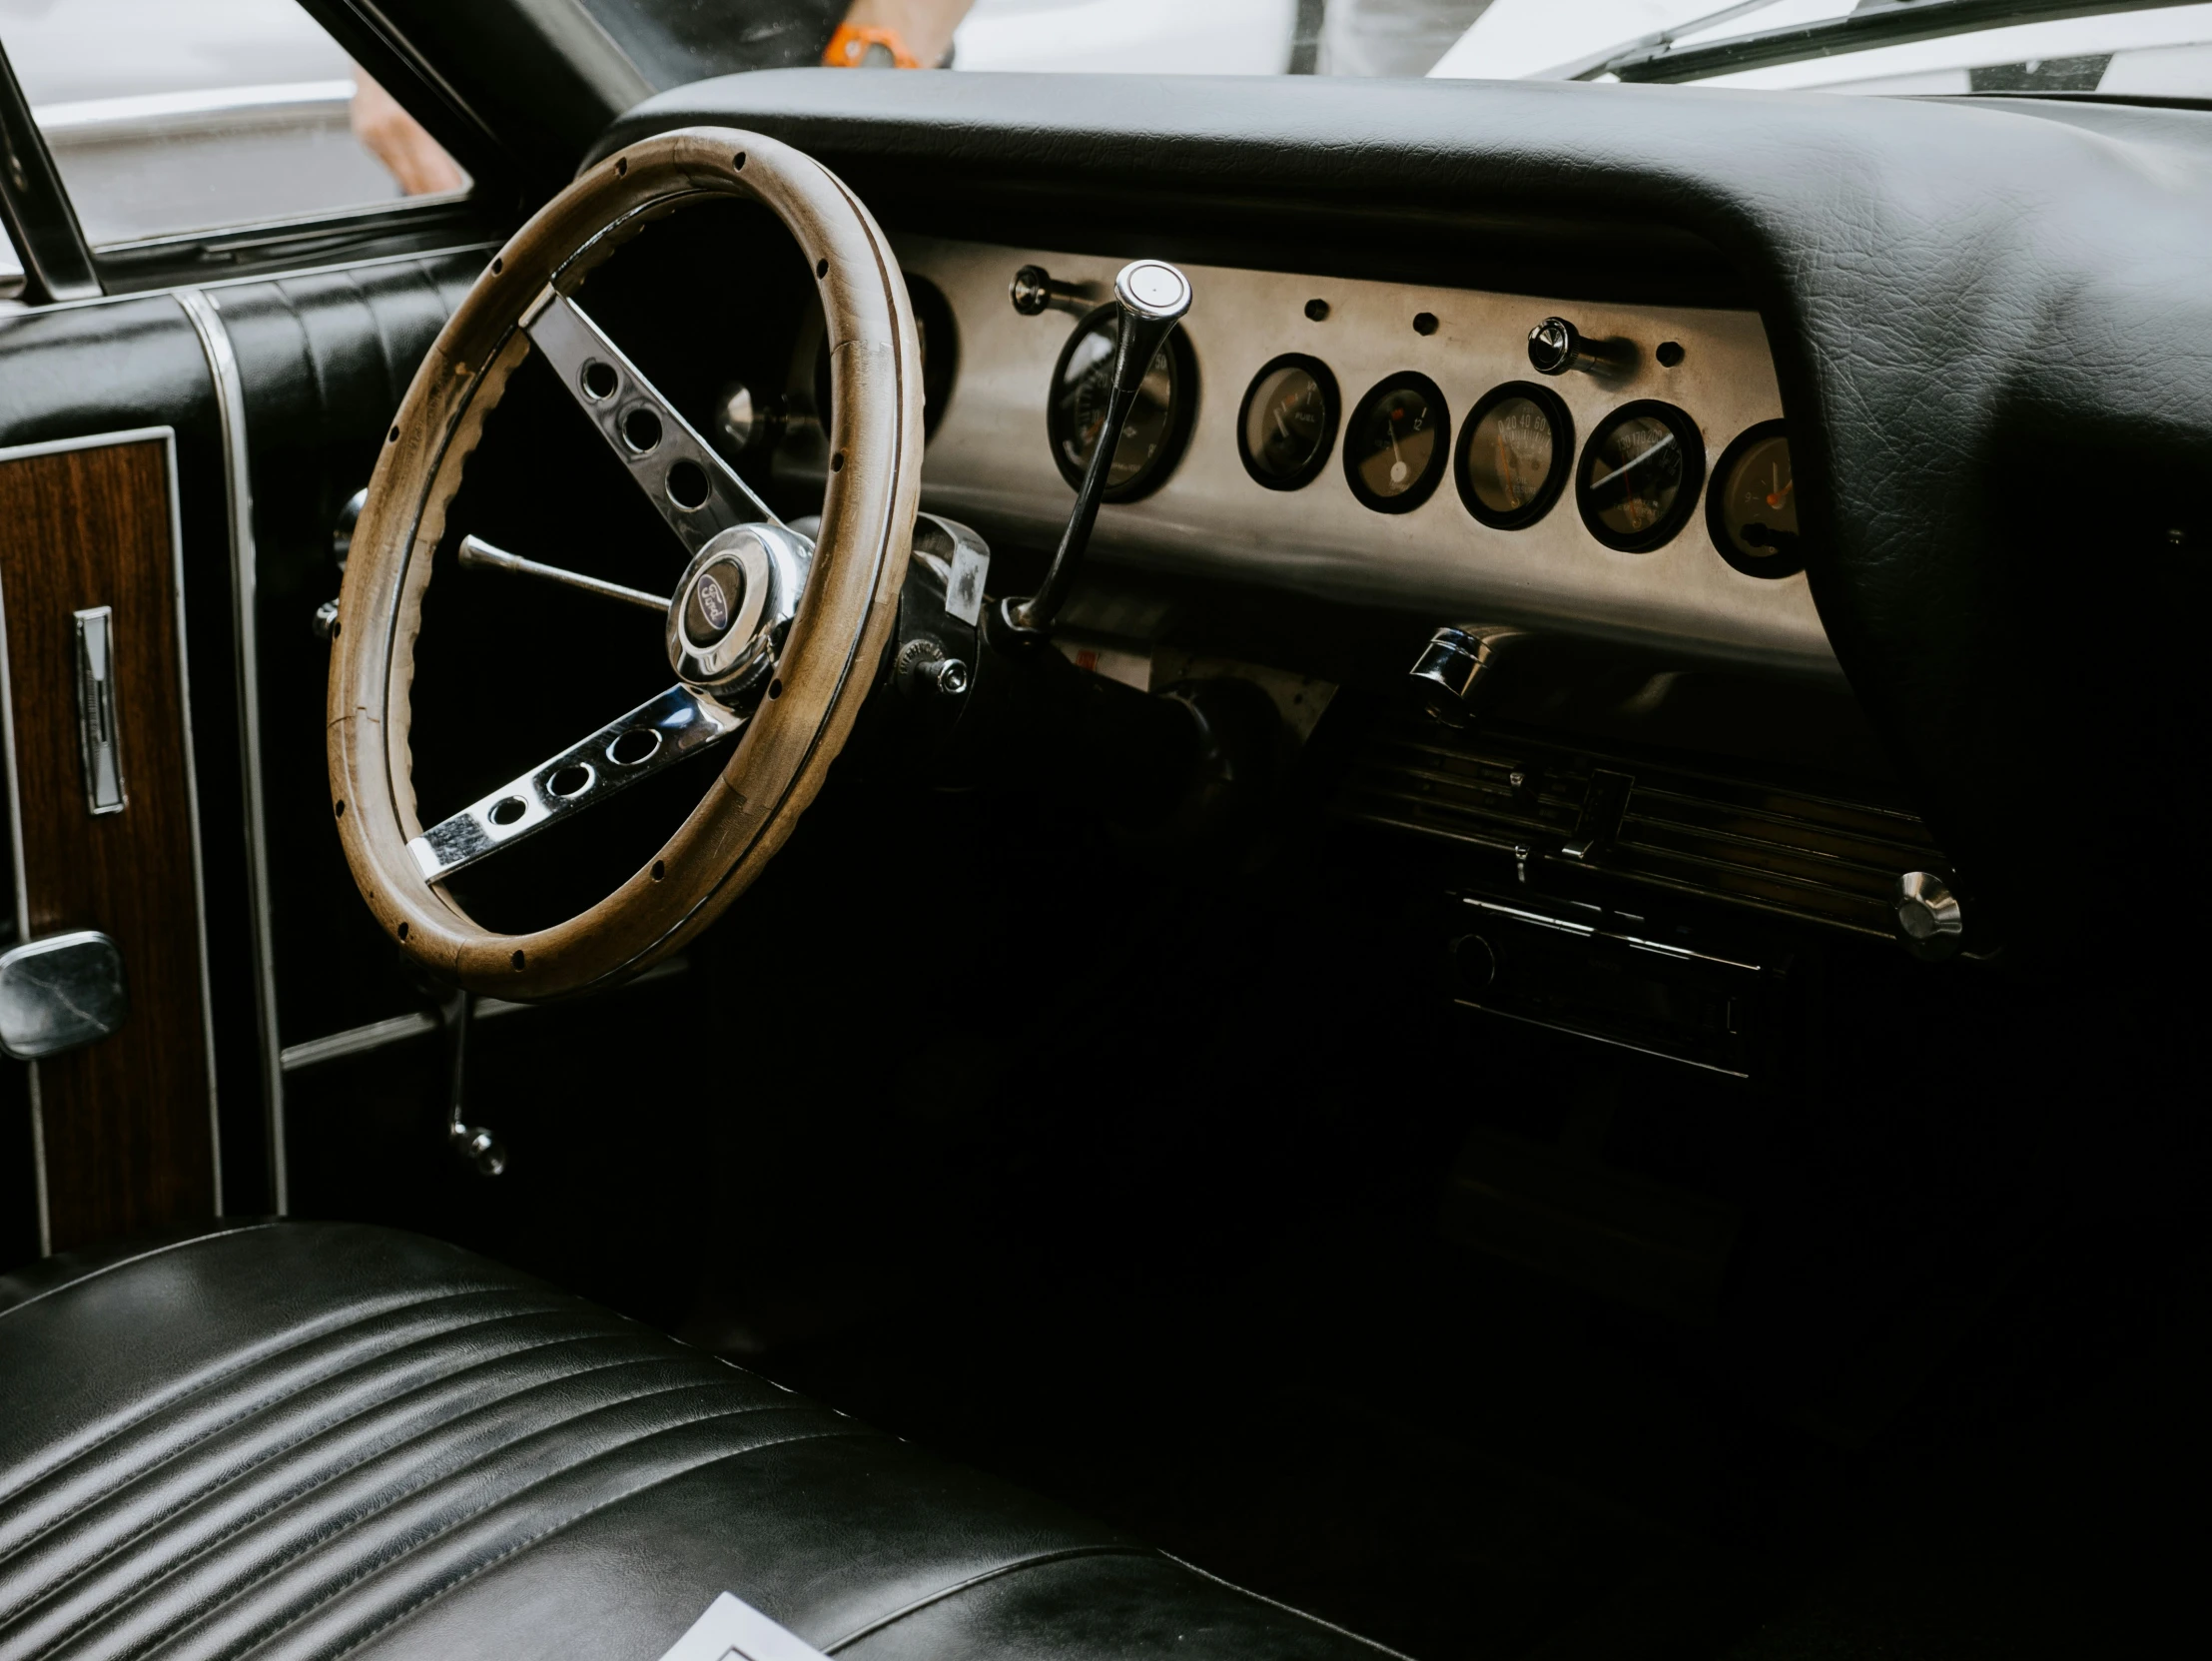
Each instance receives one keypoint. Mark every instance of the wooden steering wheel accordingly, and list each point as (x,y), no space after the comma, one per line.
(774,641)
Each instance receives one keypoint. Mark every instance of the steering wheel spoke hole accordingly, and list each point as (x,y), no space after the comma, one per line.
(641,429)
(635,747)
(687,486)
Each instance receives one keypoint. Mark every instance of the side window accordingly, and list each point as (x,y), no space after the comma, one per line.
(171,116)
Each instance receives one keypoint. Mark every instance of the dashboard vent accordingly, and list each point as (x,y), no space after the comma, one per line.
(1658,823)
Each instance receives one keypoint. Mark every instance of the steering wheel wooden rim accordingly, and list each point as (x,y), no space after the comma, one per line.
(845,615)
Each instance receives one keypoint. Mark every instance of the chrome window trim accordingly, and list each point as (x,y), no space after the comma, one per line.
(202,311)
(10,310)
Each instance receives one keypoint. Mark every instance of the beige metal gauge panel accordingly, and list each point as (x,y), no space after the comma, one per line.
(990,459)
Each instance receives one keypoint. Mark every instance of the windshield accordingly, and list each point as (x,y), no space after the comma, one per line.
(2124,48)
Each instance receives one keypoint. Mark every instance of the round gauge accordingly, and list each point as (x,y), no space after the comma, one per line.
(1516,448)
(1639,477)
(1152,437)
(1288,422)
(1395,443)
(1751,509)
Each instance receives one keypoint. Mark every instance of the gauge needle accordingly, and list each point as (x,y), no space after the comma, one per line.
(1781,493)
(1626,467)
(1398,468)
(1281,425)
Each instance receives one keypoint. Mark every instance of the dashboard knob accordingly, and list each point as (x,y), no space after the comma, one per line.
(1929,923)
(1557,346)
(1446,671)
(1034,293)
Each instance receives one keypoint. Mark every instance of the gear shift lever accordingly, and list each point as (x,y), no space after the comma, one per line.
(1153,295)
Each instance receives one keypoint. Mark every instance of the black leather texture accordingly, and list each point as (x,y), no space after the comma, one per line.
(315,1440)
(1986,313)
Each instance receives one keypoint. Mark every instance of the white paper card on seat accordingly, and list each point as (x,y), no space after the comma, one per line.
(733,1630)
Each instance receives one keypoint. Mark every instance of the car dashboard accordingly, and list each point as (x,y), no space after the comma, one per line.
(1347,358)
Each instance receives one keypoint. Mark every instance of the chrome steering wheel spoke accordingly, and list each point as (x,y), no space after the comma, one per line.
(691,487)
(655,735)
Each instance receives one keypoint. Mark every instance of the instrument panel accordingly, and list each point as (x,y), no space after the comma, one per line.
(1301,433)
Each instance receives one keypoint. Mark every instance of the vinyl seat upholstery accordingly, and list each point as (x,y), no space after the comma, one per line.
(321,1441)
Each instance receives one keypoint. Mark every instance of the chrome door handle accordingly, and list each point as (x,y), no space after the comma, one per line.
(97,723)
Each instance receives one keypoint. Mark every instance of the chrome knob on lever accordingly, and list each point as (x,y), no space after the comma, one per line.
(1453,664)
(1153,297)
(1557,346)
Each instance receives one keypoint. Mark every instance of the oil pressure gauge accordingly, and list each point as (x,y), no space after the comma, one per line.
(1751,509)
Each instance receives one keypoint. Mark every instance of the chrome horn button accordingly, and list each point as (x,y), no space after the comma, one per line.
(727,619)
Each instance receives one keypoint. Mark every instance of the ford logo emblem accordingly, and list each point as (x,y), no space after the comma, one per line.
(714,605)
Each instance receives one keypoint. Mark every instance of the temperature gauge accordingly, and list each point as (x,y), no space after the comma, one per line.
(1394,445)
(1752,510)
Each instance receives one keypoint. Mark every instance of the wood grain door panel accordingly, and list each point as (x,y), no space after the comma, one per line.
(125,1126)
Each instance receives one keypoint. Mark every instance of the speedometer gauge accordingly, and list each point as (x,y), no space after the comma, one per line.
(1151,439)
(1639,477)
(1395,443)
(1752,510)
(1289,423)
(1515,451)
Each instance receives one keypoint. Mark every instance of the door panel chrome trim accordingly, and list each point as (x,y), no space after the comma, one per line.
(206,317)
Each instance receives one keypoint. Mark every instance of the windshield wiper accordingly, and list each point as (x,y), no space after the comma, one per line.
(1874,23)
(1601,61)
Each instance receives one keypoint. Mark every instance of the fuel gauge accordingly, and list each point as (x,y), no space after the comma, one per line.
(1751,509)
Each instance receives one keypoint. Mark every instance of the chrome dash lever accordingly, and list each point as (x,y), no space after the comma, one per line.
(1153,295)
(97,728)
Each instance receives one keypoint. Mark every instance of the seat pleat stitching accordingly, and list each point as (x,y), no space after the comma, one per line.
(450,1534)
(199,1551)
(460,1436)
(506,1554)
(391,1407)
(244,1361)
(104,1486)
(90,1275)
(961,1588)
(413,1488)
(247,1363)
